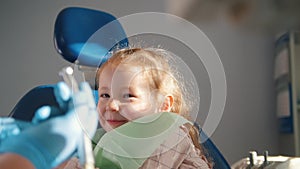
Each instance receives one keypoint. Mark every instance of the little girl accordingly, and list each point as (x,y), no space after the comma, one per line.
(137,82)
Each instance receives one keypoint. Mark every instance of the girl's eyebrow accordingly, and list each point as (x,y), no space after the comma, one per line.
(103,88)
(129,88)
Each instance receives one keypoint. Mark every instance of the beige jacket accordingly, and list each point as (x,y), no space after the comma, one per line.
(182,155)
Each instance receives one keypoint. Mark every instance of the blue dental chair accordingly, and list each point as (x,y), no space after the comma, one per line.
(73,35)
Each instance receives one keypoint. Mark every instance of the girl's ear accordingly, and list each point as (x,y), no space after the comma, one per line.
(167,104)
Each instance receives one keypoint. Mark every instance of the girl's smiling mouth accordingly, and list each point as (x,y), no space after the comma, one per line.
(116,123)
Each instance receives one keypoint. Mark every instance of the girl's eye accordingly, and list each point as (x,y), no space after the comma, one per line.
(128,95)
(105,95)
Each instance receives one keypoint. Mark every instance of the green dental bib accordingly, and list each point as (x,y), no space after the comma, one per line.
(128,146)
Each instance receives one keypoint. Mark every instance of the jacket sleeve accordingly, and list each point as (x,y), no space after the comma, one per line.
(178,151)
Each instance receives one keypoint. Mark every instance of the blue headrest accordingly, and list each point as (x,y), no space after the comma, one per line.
(86,35)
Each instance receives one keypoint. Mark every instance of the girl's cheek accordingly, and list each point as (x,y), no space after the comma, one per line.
(131,114)
(101,113)
(101,106)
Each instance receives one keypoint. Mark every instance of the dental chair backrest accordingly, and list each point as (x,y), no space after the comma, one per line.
(73,35)
(32,100)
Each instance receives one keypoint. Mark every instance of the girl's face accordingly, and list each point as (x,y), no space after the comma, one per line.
(124,95)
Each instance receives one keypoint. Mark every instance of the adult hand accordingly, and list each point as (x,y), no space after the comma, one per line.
(49,142)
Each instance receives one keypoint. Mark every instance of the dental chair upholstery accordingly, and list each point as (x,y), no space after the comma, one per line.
(75,26)
(37,97)
(86,36)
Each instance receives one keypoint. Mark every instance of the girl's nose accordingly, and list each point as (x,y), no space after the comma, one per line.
(113,105)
